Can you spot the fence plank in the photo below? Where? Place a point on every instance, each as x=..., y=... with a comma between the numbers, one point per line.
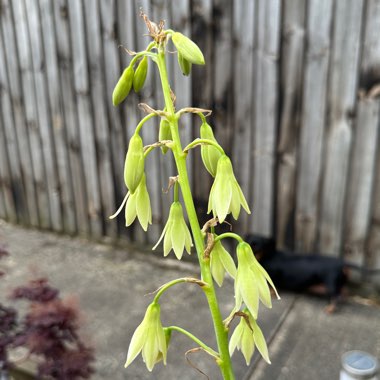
x=293, y=32
x=342, y=91
x=34, y=133
x=362, y=170
x=319, y=16
x=7, y=203
x=99, y=109
x=87, y=138
x=202, y=87
x=265, y=103
x=43, y=117
x=17, y=132
x=244, y=27
x=11, y=180
x=58, y=133
x=65, y=67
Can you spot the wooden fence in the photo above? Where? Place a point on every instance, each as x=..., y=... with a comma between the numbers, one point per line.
x=294, y=86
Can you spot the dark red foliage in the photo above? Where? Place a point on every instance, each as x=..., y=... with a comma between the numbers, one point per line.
x=37, y=290
x=50, y=330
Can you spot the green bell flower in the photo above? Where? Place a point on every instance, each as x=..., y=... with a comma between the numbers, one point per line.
x=123, y=86
x=188, y=49
x=226, y=195
x=210, y=154
x=138, y=204
x=251, y=282
x=220, y=262
x=184, y=64
x=176, y=234
x=134, y=163
x=140, y=75
x=149, y=338
x=246, y=336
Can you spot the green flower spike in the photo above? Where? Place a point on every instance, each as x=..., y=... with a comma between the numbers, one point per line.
x=210, y=154
x=220, y=262
x=134, y=163
x=149, y=338
x=138, y=204
x=251, y=281
x=176, y=233
x=246, y=336
x=226, y=195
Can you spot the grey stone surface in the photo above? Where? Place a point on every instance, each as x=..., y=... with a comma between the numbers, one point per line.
x=310, y=343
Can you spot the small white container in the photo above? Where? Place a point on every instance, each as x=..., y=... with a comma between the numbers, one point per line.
x=359, y=365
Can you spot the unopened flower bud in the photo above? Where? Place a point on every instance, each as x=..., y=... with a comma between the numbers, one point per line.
x=210, y=154
x=220, y=262
x=188, y=49
x=134, y=163
x=140, y=74
x=164, y=134
x=123, y=86
x=184, y=64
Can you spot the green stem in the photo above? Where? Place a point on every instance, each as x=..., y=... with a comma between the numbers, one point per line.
x=221, y=332
x=197, y=142
x=175, y=192
x=229, y=235
x=195, y=339
x=143, y=121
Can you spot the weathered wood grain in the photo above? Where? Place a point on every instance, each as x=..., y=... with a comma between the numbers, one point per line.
x=56, y=126
x=265, y=103
x=243, y=84
x=292, y=56
x=341, y=98
x=69, y=113
x=43, y=115
x=99, y=109
x=85, y=125
x=17, y=131
x=309, y=165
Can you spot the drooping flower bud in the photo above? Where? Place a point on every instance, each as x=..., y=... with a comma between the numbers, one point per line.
x=188, y=49
x=184, y=65
x=149, y=338
x=220, y=262
x=138, y=204
x=176, y=233
x=226, y=195
x=123, y=86
x=164, y=134
x=134, y=163
x=210, y=154
x=246, y=336
x=251, y=282
x=140, y=74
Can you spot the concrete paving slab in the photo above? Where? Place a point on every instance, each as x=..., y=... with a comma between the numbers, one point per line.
x=309, y=344
x=110, y=284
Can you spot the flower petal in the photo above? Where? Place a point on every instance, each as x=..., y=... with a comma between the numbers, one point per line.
x=260, y=341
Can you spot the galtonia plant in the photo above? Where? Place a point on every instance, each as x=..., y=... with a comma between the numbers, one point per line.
x=226, y=197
